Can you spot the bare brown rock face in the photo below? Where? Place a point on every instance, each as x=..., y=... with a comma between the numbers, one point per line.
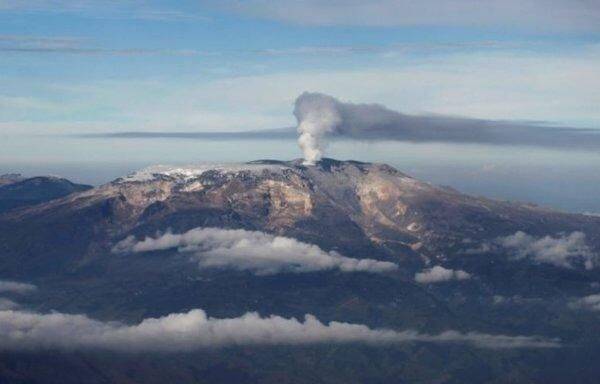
x=345, y=205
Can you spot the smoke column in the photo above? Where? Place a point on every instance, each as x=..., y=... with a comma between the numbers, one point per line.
x=317, y=115
x=321, y=116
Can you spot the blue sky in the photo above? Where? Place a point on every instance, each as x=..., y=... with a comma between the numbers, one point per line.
x=87, y=67
x=96, y=66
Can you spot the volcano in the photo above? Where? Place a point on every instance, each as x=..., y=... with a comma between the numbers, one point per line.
x=342, y=240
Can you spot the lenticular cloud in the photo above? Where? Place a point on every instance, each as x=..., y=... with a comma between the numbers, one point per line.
x=258, y=252
x=195, y=330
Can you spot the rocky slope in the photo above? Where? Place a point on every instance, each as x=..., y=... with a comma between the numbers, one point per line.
x=506, y=268
x=352, y=206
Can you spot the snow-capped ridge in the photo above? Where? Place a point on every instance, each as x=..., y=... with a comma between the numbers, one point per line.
x=188, y=172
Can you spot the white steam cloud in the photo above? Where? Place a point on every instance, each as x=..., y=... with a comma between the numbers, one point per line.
x=439, y=274
x=563, y=251
x=317, y=116
x=258, y=252
x=193, y=330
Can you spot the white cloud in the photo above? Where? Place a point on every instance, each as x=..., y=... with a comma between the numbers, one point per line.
x=15, y=287
x=195, y=330
x=258, y=252
x=590, y=303
x=439, y=274
x=561, y=251
x=532, y=15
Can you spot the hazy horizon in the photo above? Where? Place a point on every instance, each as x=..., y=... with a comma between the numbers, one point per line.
x=565, y=180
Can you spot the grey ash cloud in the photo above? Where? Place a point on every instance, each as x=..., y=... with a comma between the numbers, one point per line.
x=376, y=122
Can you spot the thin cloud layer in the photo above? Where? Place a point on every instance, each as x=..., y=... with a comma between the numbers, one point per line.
x=78, y=46
x=531, y=15
x=102, y=9
x=195, y=330
x=565, y=251
x=258, y=252
x=544, y=15
x=440, y=274
x=15, y=287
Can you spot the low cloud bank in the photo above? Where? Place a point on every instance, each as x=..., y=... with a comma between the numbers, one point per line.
x=15, y=287
x=565, y=251
x=258, y=252
x=195, y=330
x=590, y=303
x=439, y=274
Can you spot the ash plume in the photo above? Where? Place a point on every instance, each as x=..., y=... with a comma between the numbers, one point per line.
x=321, y=116
x=317, y=115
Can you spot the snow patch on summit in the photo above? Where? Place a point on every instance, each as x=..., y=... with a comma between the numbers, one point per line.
x=188, y=172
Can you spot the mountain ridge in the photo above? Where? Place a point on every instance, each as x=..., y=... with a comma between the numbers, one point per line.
x=343, y=240
x=17, y=191
x=367, y=206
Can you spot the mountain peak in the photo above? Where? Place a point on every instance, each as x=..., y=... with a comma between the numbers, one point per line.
x=10, y=178
x=185, y=173
x=18, y=192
